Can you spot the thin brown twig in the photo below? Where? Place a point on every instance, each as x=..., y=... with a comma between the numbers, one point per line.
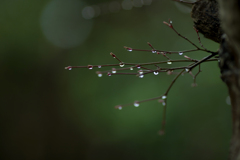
x=141, y=64
x=181, y=1
x=199, y=38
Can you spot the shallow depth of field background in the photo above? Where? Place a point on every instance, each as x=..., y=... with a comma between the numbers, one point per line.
x=48, y=112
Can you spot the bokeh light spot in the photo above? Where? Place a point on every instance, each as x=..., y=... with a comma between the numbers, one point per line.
x=63, y=25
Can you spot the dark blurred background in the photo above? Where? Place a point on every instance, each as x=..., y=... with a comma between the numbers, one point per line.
x=48, y=112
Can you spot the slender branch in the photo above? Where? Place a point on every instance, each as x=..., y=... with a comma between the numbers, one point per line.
x=199, y=38
x=181, y=1
x=202, y=60
x=174, y=80
x=134, y=64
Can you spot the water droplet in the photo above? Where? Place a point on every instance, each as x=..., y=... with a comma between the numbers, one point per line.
x=140, y=71
x=164, y=97
x=90, y=67
x=153, y=51
x=169, y=62
x=68, y=67
x=121, y=64
x=180, y=53
x=141, y=76
x=138, y=66
x=129, y=49
x=114, y=70
x=170, y=22
x=109, y=74
x=99, y=74
x=131, y=68
x=163, y=103
x=99, y=66
x=155, y=73
x=136, y=104
x=120, y=107
x=187, y=70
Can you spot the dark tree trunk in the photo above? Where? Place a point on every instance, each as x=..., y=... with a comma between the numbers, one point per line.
x=230, y=65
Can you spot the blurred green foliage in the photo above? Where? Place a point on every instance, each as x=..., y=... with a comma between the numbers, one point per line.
x=51, y=113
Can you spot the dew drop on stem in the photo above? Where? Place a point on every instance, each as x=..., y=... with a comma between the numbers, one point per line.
x=114, y=70
x=129, y=49
x=136, y=104
x=90, y=67
x=164, y=97
x=140, y=71
x=141, y=76
x=153, y=51
x=121, y=64
x=180, y=53
x=155, y=73
x=109, y=74
x=169, y=62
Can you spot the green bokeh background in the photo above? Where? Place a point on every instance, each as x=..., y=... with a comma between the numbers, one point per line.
x=51, y=113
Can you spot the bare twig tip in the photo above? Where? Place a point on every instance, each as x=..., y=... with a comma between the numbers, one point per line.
x=161, y=132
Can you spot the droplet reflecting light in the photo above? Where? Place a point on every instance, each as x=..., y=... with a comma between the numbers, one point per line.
x=136, y=104
x=164, y=97
x=90, y=67
x=121, y=64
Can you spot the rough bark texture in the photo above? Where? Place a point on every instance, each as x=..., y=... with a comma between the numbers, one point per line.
x=206, y=19
x=230, y=65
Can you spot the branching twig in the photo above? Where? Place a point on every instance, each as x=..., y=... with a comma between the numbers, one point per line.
x=142, y=70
